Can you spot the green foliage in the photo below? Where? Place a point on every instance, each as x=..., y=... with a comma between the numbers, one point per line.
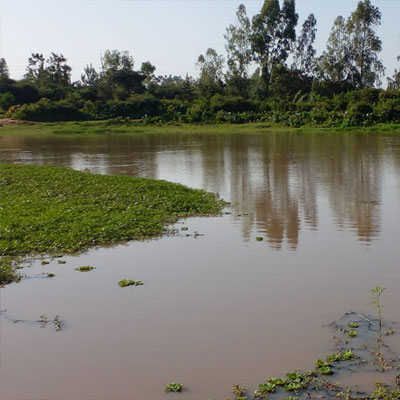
x=297, y=381
x=8, y=272
x=340, y=356
x=174, y=387
x=47, y=111
x=85, y=268
x=7, y=100
x=383, y=392
x=49, y=209
x=130, y=282
x=324, y=368
x=278, y=381
x=333, y=90
x=353, y=324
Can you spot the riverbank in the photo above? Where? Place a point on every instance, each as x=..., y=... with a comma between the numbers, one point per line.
x=57, y=210
x=136, y=127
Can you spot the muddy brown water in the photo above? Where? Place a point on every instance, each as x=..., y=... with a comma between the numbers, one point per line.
x=217, y=309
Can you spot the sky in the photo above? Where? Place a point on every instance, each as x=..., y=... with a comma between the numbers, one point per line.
x=171, y=34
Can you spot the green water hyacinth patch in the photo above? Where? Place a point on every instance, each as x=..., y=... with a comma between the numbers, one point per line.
x=85, y=268
x=340, y=356
x=264, y=390
x=48, y=209
x=174, y=387
x=353, y=325
x=129, y=282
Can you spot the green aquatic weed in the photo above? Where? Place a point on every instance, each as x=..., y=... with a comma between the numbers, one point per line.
x=174, y=387
x=376, y=301
x=85, y=268
x=129, y=282
x=353, y=325
x=340, y=356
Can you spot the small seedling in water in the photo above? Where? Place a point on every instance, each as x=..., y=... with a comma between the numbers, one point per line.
x=129, y=282
x=352, y=334
x=184, y=228
x=259, y=238
x=85, y=268
x=376, y=301
x=50, y=275
x=44, y=262
x=62, y=262
x=174, y=387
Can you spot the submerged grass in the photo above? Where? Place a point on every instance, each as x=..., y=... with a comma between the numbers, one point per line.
x=53, y=209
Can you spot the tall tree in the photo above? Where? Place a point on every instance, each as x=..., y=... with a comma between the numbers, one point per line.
x=365, y=44
x=335, y=64
x=394, y=81
x=211, y=74
x=36, y=68
x=90, y=76
x=304, y=54
x=4, y=72
x=273, y=34
x=117, y=77
x=147, y=69
x=58, y=70
x=239, y=51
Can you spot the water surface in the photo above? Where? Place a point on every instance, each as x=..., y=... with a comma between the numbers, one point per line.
x=217, y=309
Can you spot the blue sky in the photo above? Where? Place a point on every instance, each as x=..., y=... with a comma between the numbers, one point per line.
x=169, y=33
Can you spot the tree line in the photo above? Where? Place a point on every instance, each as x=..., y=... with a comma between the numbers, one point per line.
x=288, y=84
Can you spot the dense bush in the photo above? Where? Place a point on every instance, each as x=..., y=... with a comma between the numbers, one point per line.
x=46, y=110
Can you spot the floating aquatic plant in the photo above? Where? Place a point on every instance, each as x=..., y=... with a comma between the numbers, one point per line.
x=239, y=392
x=174, y=387
x=340, y=356
x=129, y=282
x=85, y=268
x=353, y=324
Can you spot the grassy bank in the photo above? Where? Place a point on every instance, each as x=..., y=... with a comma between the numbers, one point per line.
x=114, y=127
x=54, y=209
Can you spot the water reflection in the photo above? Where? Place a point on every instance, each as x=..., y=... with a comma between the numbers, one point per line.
x=281, y=183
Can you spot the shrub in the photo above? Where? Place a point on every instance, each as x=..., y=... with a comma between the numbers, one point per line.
x=46, y=111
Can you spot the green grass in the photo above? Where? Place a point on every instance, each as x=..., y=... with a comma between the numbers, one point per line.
x=8, y=272
x=53, y=209
x=105, y=127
